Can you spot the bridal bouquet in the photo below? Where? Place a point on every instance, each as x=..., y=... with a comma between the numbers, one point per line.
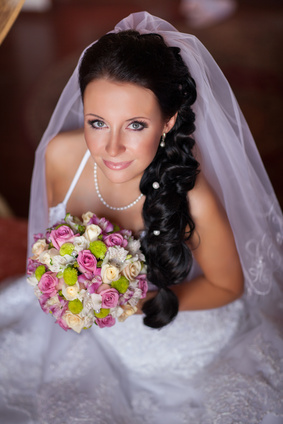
x=87, y=271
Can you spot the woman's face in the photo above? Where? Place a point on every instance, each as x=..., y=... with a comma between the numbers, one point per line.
x=123, y=124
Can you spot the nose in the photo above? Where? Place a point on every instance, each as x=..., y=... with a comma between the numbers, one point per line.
x=115, y=145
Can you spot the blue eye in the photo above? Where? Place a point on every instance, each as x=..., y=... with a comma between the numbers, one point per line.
x=138, y=126
x=97, y=124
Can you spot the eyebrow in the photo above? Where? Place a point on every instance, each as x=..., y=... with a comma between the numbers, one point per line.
x=128, y=120
x=96, y=116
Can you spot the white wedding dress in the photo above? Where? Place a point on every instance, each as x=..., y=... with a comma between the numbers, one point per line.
x=219, y=366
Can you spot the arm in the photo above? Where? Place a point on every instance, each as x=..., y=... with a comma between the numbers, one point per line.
x=214, y=249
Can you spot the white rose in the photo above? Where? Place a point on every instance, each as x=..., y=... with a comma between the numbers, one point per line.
x=132, y=270
x=71, y=292
x=87, y=217
x=80, y=243
x=47, y=256
x=39, y=247
x=109, y=273
x=74, y=321
x=92, y=232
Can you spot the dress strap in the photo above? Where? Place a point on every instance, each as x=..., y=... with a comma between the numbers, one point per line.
x=76, y=177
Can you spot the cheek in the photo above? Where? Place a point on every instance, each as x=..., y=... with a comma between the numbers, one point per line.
x=93, y=141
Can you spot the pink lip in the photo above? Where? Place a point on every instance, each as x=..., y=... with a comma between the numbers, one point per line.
x=117, y=166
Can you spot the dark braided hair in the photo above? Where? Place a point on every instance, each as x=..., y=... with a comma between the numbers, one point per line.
x=146, y=60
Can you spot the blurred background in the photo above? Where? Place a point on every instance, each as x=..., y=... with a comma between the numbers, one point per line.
x=39, y=52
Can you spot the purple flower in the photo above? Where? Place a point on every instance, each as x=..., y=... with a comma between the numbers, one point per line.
x=59, y=308
x=62, y=235
x=94, y=284
x=126, y=296
x=115, y=239
x=42, y=301
x=108, y=321
x=62, y=324
x=103, y=223
x=142, y=284
x=38, y=236
x=32, y=265
x=126, y=233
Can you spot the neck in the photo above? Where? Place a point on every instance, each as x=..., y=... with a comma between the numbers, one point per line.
x=123, y=195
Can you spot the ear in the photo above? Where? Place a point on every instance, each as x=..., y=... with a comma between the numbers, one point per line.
x=170, y=124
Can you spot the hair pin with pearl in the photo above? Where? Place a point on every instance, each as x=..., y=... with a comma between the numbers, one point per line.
x=155, y=185
x=156, y=232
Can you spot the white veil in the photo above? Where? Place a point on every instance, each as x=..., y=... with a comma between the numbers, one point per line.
x=230, y=159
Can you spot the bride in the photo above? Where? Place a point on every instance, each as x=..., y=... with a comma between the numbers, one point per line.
x=147, y=133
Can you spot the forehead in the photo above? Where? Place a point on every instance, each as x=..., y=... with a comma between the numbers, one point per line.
x=107, y=94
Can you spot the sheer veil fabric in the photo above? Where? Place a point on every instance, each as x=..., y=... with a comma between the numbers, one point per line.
x=228, y=156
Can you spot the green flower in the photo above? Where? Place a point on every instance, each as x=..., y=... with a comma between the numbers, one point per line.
x=121, y=285
x=102, y=314
x=75, y=306
x=81, y=229
x=40, y=270
x=98, y=249
x=70, y=275
x=66, y=249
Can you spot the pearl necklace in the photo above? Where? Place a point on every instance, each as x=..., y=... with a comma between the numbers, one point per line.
x=103, y=201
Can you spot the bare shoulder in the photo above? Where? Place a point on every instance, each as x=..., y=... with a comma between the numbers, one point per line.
x=61, y=146
x=63, y=154
x=203, y=200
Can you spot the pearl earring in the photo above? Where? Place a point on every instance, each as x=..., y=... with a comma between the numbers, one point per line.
x=162, y=142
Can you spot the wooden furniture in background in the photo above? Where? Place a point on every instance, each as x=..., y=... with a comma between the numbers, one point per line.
x=9, y=10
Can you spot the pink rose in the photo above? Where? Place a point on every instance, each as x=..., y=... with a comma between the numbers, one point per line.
x=62, y=235
x=110, y=298
x=48, y=284
x=115, y=239
x=142, y=284
x=87, y=263
x=108, y=321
